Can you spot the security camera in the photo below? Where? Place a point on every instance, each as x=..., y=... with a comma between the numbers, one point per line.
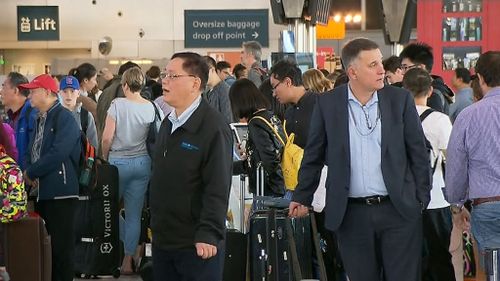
x=141, y=33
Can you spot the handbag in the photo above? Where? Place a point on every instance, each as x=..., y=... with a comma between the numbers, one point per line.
x=153, y=131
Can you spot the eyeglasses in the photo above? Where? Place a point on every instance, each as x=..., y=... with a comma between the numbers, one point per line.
x=276, y=86
x=405, y=67
x=171, y=76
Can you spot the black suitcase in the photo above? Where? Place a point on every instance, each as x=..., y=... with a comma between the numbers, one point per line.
x=281, y=248
x=235, y=259
x=97, y=250
x=273, y=255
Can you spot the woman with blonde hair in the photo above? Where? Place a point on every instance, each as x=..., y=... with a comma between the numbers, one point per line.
x=315, y=81
x=124, y=145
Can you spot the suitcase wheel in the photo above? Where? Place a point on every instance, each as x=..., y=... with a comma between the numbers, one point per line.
x=116, y=273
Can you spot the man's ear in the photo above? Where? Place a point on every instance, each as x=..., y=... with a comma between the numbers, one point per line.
x=197, y=85
x=430, y=92
x=481, y=80
x=351, y=72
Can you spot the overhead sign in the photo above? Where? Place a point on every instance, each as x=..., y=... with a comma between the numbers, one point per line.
x=37, y=23
x=225, y=28
x=334, y=30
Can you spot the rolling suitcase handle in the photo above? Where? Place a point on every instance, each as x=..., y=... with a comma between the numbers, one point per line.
x=319, y=255
x=242, y=202
x=297, y=272
x=260, y=179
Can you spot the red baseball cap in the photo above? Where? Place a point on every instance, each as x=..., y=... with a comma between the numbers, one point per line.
x=44, y=81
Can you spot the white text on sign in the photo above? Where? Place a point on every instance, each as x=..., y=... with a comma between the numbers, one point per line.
x=227, y=24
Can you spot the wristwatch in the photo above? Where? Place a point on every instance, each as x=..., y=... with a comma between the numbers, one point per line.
x=456, y=208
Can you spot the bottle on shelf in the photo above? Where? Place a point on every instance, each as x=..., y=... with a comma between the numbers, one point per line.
x=453, y=29
x=445, y=34
x=472, y=29
x=461, y=5
x=463, y=32
x=478, y=29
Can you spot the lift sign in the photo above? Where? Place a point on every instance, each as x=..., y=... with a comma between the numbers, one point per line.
x=38, y=23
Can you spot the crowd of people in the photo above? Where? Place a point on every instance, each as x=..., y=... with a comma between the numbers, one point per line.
x=377, y=138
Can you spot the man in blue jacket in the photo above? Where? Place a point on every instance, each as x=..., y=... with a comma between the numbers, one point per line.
x=21, y=116
x=52, y=168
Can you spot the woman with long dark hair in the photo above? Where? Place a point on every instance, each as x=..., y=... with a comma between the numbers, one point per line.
x=266, y=137
x=86, y=74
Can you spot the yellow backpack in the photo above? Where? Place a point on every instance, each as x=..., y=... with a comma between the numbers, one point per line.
x=291, y=158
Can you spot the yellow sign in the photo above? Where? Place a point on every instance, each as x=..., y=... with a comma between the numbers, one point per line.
x=334, y=30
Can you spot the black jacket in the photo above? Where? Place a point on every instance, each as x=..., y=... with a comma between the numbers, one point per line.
x=264, y=147
x=405, y=160
x=298, y=118
x=191, y=180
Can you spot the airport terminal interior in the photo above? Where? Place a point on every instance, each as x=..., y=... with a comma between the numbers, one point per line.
x=79, y=54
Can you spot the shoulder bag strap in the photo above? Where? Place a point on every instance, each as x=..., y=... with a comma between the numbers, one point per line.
x=270, y=126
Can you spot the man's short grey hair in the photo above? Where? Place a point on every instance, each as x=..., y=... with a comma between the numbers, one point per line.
x=351, y=50
x=254, y=48
x=17, y=79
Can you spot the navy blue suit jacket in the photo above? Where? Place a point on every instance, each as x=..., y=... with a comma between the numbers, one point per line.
x=405, y=159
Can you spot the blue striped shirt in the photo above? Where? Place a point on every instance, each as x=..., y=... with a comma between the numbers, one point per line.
x=365, y=144
x=473, y=160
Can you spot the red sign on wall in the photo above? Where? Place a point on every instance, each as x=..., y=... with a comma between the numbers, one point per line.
x=322, y=53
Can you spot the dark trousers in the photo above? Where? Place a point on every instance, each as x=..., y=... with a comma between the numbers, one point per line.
x=59, y=217
x=377, y=243
x=185, y=265
x=436, y=262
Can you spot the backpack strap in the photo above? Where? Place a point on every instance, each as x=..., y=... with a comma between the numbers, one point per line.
x=426, y=113
x=270, y=126
x=262, y=72
x=84, y=120
x=157, y=113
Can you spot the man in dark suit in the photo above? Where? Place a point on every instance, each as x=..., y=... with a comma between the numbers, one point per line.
x=378, y=182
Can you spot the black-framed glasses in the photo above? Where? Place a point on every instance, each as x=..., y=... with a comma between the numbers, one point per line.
x=171, y=76
x=276, y=86
x=405, y=67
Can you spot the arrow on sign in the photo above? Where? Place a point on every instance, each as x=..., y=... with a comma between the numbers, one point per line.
x=255, y=35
